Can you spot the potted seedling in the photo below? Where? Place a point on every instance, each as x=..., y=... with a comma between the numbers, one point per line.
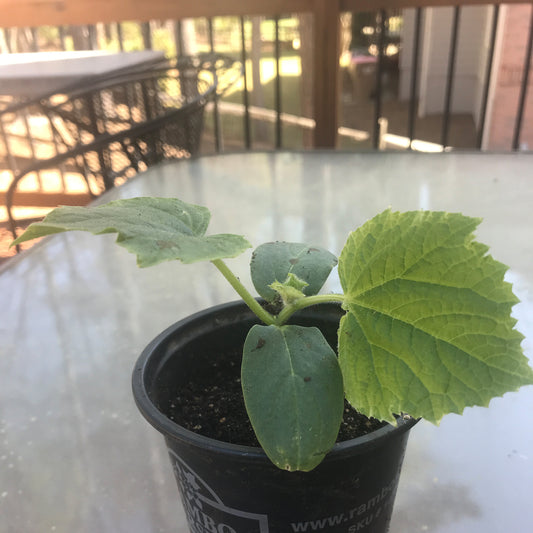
x=422, y=328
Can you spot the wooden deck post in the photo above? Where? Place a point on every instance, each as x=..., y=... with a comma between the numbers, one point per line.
x=326, y=85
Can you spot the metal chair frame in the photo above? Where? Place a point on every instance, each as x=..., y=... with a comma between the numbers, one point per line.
x=139, y=142
x=134, y=144
x=224, y=71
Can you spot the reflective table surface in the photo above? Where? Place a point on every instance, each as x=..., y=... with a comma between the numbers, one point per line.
x=75, y=454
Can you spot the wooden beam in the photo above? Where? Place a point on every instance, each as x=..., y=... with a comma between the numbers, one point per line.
x=373, y=5
x=326, y=72
x=46, y=199
x=28, y=13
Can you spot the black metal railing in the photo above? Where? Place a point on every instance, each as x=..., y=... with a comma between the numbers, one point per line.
x=523, y=87
x=87, y=37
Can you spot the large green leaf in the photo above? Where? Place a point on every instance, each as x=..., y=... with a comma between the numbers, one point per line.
x=293, y=392
x=155, y=229
x=274, y=261
x=429, y=328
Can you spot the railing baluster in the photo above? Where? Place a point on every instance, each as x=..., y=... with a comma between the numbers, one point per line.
x=216, y=112
x=245, y=96
x=450, y=76
x=93, y=39
x=277, y=94
x=7, y=39
x=413, y=97
x=34, y=40
x=382, y=15
x=488, y=75
x=62, y=37
x=523, y=88
x=178, y=38
x=147, y=35
x=120, y=36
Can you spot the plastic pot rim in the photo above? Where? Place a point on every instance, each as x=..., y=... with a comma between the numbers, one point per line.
x=171, y=429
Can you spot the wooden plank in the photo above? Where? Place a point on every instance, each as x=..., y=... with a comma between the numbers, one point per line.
x=46, y=199
x=326, y=86
x=27, y=13
x=373, y=5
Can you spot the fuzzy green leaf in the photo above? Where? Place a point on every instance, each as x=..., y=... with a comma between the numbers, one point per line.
x=429, y=328
x=274, y=261
x=293, y=392
x=155, y=229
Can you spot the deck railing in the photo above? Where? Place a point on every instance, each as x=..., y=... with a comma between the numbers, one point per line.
x=324, y=14
x=436, y=63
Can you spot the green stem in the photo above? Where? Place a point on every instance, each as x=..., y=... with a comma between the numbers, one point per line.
x=302, y=303
x=250, y=301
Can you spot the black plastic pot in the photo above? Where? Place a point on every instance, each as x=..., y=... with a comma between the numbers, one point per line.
x=227, y=488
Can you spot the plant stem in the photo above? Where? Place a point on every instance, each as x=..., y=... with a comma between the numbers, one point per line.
x=250, y=301
x=263, y=314
x=302, y=303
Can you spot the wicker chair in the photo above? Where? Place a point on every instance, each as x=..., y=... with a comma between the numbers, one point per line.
x=80, y=112
x=115, y=103
x=110, y=159
x=106, y=131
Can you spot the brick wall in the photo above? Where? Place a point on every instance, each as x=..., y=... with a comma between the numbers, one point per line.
x=508, y=78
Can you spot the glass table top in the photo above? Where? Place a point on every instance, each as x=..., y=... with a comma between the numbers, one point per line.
x=75, y=455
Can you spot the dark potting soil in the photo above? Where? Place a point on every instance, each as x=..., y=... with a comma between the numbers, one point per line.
x=213, y=406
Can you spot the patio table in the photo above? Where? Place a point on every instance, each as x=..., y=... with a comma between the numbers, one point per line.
x=33, y=74
x=75, y=455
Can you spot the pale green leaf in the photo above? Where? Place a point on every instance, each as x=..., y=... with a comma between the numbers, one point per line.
x=429, y=328
x=274, y=261
x=293, y=392
x=155, y=229
x=291, y=289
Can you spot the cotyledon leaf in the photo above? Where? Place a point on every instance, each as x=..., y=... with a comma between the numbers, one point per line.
x=293, y=393
x=274, y=261
x=155, y=229
x=429, y=329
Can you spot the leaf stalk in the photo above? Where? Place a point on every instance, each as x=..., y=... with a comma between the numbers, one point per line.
x=302, y=303
x=241, y=290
